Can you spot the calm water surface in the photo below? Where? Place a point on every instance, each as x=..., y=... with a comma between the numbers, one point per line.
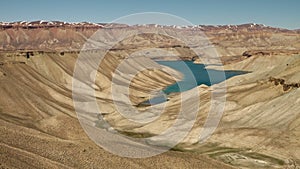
x=193, y=75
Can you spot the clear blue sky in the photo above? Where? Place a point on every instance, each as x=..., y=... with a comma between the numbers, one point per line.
x=278, y=13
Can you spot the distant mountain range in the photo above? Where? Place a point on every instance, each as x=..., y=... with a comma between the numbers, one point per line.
x=49, y=24
x=229, y=40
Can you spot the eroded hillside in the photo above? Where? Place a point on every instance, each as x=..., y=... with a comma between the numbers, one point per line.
x=39, y=126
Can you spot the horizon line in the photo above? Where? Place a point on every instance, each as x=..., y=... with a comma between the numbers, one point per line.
x=71, y=22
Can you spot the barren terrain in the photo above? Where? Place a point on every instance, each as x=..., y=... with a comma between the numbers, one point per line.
x=40, y=129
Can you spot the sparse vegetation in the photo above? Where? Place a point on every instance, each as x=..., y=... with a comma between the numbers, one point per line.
x=264, y=157
x=136, y=135
x=231, y=155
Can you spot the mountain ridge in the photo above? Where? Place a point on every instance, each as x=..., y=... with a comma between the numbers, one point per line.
x=229, y=40
x=46, y=23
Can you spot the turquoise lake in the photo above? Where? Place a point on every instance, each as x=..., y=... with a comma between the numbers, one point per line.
x=193, y=75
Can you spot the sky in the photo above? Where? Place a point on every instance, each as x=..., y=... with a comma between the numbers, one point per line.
x=276, y=13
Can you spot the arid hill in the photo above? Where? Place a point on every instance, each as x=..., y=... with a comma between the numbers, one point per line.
x=230, y=40
x=40, y=129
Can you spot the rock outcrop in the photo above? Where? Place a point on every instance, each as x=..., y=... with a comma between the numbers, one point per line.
x=282, y=82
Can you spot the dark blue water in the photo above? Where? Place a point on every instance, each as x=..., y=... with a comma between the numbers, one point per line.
x=193, y=75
